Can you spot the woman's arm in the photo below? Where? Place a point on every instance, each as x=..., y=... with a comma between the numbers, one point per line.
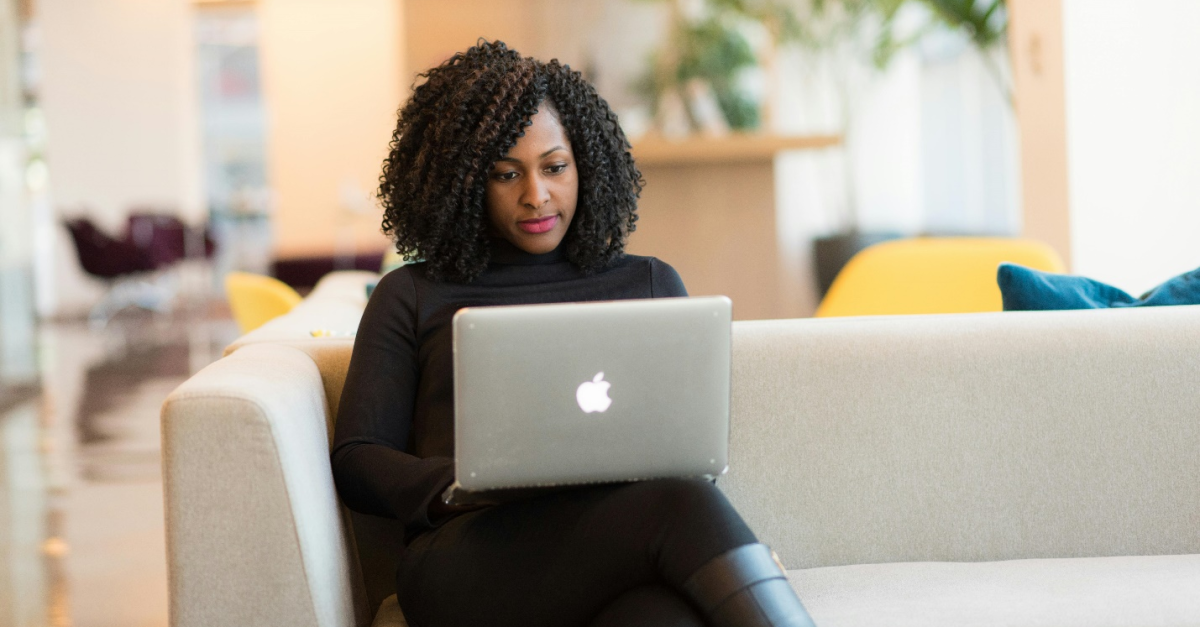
x=372, y=471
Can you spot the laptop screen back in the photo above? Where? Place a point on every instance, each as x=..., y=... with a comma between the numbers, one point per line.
x=591, y=392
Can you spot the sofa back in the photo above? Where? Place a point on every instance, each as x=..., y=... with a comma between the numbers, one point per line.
x=962, y=437
x=969, y=437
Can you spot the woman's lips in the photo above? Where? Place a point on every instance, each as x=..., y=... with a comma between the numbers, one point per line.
x=539, y=225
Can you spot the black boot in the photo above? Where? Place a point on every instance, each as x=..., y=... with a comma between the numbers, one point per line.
x=746, y=587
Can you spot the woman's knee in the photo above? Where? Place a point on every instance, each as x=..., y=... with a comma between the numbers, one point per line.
x=687, y=499
x=649, y=606
x=690, y=522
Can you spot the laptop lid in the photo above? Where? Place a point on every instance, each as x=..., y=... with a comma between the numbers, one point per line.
x=577, y=393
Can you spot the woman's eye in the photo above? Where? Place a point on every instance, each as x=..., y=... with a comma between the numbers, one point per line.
x=557, y=168
x=505, y=176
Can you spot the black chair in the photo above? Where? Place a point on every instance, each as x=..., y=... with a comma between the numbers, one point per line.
x=128, y=269
x=105, y=257
x=166, y=238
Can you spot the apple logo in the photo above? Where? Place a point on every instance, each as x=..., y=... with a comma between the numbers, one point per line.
x=592, y=396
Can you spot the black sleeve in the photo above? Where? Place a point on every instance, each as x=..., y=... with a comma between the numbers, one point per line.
x=665, y=281
x=372, y=472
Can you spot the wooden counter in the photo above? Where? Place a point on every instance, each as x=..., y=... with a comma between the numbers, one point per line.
x=709, y=209
x=734, y=148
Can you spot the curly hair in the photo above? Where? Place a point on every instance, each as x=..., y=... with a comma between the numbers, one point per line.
x=468, y=113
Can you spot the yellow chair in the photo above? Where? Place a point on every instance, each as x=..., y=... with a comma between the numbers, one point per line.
x=930, y=275
x=255, y=298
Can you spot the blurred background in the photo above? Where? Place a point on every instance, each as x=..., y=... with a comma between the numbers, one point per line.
x=150, y=148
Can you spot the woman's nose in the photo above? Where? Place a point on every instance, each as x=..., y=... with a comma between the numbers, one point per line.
x=536, y=193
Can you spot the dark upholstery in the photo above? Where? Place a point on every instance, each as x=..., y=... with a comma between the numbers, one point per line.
x=164, y=237
x=106, y=257
x=151, y=242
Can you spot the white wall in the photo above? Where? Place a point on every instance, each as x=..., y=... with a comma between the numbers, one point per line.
x=968, y=140
x=118, y=94
x=884, y=140
x=1132, y=75
x=332, y=74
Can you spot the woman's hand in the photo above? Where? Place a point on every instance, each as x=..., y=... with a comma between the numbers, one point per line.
x=439, y=510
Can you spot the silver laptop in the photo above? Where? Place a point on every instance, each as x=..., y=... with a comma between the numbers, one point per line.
x=568, y=394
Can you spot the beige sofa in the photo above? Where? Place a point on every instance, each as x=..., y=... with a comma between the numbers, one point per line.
x=975, y=469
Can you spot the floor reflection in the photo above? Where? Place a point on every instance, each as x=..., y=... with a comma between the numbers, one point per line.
x=81, y=517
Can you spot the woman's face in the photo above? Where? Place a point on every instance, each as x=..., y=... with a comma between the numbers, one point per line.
x=531, y=191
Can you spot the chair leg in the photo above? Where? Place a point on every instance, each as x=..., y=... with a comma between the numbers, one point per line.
x=155, y=293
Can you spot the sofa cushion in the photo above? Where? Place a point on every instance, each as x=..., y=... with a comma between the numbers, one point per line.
x=1088, y=592
x=389, y=614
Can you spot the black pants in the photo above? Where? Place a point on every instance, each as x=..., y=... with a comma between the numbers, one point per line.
x=612, y=555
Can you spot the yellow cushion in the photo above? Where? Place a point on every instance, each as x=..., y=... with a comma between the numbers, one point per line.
x=256, y=299
x=931, y=275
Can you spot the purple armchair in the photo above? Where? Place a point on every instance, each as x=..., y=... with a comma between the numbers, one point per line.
x=131, y=266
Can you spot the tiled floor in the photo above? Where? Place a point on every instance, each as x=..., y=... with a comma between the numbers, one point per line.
x=81, y=518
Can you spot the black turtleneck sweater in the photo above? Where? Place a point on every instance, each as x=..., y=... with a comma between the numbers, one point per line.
x=393, y=449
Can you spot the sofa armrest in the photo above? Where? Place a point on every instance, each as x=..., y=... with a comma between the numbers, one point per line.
x=255, y=534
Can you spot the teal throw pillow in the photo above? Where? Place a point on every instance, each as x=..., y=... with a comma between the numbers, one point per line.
x=1026, y=289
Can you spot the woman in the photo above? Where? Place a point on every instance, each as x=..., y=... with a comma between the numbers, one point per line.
x=512, y=181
